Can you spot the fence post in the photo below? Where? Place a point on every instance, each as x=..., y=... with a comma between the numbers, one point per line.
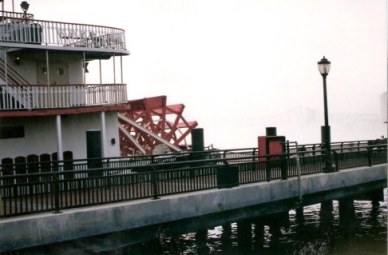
x=284, y=167
x=335, y=158
x=268, y=168
x=299, y=173
x=1, y=204
x=56, y=192
x=288, y=149
x=154, y=180
x=369, y=149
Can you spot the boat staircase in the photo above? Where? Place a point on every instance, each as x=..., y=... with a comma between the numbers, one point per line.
x=13, y=94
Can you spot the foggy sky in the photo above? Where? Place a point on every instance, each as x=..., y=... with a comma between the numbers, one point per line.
x=242, y=65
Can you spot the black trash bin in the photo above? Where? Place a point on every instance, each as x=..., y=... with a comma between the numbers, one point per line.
x=227, y=177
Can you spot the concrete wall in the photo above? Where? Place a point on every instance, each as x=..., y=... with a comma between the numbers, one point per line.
x=77, y=223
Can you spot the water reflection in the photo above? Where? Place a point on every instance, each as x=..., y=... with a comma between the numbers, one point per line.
x=339, y=227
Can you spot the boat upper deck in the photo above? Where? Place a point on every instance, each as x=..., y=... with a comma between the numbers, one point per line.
x=22, y=31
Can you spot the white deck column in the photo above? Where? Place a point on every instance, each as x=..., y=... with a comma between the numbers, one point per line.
x=84, y=68
x=48, y=68
x=103, y=134
x=59, y=138
x=5, y=98
x=114, y=69
x=100, y=69
x=121, y=70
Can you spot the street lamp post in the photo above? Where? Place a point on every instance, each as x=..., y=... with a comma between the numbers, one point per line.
x=324, y=68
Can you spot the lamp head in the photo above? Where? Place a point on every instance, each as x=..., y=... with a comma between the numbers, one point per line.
x=24, y=5
x=324, y=66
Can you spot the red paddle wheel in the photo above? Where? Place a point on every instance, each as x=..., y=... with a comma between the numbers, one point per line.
x=150, y=126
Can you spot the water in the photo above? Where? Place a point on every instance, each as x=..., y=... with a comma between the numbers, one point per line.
x=361, y=230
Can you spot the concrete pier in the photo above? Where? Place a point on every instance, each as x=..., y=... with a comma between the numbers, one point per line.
x=264, y=198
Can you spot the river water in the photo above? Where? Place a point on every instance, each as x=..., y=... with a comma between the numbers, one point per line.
x=363, y=232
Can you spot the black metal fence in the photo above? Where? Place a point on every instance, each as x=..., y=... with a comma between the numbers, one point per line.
x=54, y=186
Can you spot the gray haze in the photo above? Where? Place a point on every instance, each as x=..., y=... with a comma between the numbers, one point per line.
x=242, y=65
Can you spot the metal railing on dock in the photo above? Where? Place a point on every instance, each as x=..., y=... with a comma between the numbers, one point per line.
x=58, y=185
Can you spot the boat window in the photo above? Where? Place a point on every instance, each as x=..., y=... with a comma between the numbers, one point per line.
x=11, y=132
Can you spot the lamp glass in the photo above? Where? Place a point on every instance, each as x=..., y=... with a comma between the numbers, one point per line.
x=324, y=66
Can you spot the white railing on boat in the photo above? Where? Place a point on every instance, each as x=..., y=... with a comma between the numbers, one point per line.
x=18, y=15
x=17, y=29
x=18, y=97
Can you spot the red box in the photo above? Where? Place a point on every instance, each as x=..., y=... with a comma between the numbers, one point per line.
x=271, y=145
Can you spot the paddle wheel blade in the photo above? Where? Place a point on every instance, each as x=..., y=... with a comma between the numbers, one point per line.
x=151, y=126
